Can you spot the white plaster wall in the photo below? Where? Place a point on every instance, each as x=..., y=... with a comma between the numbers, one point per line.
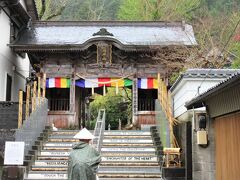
x=10, y=63
x=187, y=89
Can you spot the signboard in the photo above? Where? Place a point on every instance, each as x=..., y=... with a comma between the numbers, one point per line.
x=14, y=153
x=59, y=144
x=129, y=133
x=130, y=158
x=55, y=153
x=127, y=141
x=48, y=176
x=51, y=163
x=128, y=149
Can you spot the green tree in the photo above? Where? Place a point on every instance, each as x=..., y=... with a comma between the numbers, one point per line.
x=117, y=107
x=157, y=9
x=77, y=9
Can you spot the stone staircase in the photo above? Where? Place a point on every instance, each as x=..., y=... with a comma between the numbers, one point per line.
x=51, y=160
x=125, y=155
x=128, y=155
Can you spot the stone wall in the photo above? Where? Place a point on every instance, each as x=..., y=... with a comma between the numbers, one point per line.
x=8, y=124
x=203, y=158
x=183, y=135
x=5, y=135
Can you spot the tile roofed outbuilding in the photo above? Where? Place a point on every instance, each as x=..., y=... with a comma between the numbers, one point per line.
x=198, y=101
x=125, y=35
x=205, y=73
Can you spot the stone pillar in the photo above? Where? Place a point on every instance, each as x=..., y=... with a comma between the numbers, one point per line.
x=134, y=100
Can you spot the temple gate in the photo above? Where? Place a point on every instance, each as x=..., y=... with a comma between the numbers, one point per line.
x=84, y=57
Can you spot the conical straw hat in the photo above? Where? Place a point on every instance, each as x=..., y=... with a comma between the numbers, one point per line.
x=84, y=134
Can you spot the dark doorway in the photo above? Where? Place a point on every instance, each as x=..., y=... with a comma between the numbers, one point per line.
x=146, y=99
x=58, y=99
x=9, y=88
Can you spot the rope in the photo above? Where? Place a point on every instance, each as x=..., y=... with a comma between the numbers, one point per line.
x=107, y=82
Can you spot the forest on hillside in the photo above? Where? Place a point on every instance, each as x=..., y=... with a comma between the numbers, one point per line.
x=216, y=22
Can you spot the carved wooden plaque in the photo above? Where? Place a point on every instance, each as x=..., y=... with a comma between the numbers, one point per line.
x=104, y=54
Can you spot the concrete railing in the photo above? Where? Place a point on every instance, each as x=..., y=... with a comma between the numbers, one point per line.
x=33, y=126
x=162, y=123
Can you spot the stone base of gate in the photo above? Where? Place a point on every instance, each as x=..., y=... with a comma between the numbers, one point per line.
x=173, y=173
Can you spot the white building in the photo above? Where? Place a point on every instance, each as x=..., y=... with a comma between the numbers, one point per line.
x=199, y=160
x=14, y=68
x=193, y=83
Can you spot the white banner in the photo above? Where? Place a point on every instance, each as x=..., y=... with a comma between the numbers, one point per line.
x=14, y=153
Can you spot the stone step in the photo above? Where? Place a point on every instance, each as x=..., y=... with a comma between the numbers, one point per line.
x=61, y=163
x=127, y=145
x=127, y=133
x=127, y=149
x=131, y=178
x=129, y=140
x=59, y=144
x=67, y=132
x=129, y=169
x=127, y=136
x=116, y=154
x=60, y=131
x=46, y=175
x=56, y=139
x=128, y=176
x=129, y=163
x=49, y=168
x=145, y=154
x=129, y=172
x=54, y=153
x=52, y=157
x=67, y=148
x=129, y=158
x=67, y=136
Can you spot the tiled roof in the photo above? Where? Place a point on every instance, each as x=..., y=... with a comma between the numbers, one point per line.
x=197, y=102
x=125, y=34
x=205, y=73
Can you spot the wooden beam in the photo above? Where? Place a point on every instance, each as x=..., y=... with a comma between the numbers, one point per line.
x=44, y=85
x=39, y=90
x=20, y=97
x=159, y=86
x=27, y=101
x=34, y=96
x=72, y=91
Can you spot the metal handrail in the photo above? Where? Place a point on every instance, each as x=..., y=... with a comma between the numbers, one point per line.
x=99, y=129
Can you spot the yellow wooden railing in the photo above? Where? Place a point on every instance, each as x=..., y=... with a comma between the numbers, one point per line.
x=165, y=98
x=32, y=93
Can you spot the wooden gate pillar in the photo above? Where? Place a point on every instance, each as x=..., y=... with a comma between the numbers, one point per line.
x=134, y=100
x=72, y=95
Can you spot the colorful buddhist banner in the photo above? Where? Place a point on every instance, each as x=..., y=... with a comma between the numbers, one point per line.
x=121, y=83
x=147, y=83
x=99, y=82
x=58, y=83
x=143, y=83
x=88, y=83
